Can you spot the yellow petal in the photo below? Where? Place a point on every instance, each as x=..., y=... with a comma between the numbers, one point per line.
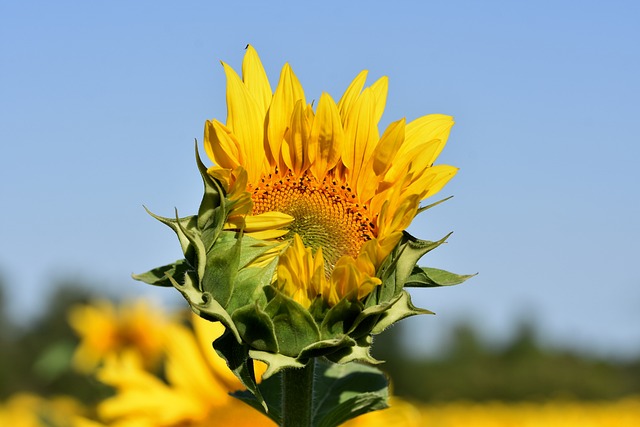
x=425, y=129
x=361, y=133
x=246, y=123
x=431, y=181
x=221, y=174
x=269, y=255
x=142, y=398
x=378, y=249
x=351, y=94
x=186, y=367
x=386, y=150
x=327, y=136
x=295, y=146
x=380, y=89
x=348, y=279
x=221, y=145
x=380, y=161
x=265, y=221
x=206, y=332
x=424, y=140
x=288, y=92
x=300, y=273
x=255, y=79
x=268, y=234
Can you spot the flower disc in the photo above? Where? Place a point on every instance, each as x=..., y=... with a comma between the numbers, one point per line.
x=325, y=214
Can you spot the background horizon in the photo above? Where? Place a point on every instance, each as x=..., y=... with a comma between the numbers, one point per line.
x=100, y=104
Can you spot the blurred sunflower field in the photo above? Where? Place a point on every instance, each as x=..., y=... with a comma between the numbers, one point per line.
x=90, y=362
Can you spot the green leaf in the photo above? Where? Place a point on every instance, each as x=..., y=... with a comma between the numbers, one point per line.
x=270, y=389
x=344, y=391
x=433, y=277
x=237, y=357
x=340, y=393
x=294, y=326
x=160, y=276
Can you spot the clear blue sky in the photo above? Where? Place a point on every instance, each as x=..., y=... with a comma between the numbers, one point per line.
x=100, y=103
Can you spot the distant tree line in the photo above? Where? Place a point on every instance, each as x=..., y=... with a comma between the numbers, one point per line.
x=520, y=370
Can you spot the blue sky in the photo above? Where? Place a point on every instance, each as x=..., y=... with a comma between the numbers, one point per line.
x=100, y=103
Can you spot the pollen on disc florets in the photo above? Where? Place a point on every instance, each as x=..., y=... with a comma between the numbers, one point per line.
x=326, y=213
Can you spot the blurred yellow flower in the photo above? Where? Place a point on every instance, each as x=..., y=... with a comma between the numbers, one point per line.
x=555, y=413
x=195, y=393
x=324, y=180
x=104, y=329
x=29, y=410
x=399, y=413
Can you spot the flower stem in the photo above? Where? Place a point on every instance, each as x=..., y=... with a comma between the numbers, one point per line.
x=297, y=396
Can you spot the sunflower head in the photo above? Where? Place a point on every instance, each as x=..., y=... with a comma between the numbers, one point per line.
x=105, y=329
x=299, y=247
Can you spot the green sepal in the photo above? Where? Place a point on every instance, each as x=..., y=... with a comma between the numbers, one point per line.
x=237, y=357
x=187, y=223
x=400, y=309
x=369, y=317
x=160, y=276
x=250, y=248
x=424, y=208
x=339, y=318
x=294, y=326
x=326, y=347
x=357, y=353
x=411, y=252
x=398, y=266
x=196, y=244
x=427, y=277
x=210, y=309
x=250, y=286
x=275, y=362
x=212, y=213
x=256, y=328
x=222, y=264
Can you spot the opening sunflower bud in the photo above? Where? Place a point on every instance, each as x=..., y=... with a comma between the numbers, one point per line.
x=299, y=247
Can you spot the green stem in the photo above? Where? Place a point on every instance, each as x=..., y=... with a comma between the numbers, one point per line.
x=297, y=396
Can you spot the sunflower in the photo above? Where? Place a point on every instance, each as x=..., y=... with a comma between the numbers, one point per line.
x=30, y=410
x=324, y=183
x=299, y=246
x=194, y=392
x=105, y=329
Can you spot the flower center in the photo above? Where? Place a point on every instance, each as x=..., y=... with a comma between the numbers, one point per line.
x=325, y=213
